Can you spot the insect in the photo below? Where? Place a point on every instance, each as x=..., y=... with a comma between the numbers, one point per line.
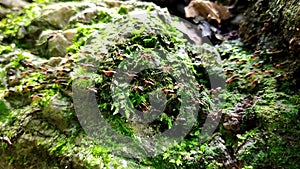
x=147, y=82
x=92, y=89
x=167, y=91
x=83, y=77
x=130, y=75
x=166, y=68
x=268, y=72
x=13, y=80
x=68, y=61
x=228, y=71
x=36, y=96
x=27, y=64
x=86, y=52
x=26, y=72
x=215, y=91
x=250, y=74
x=109, y=72
x=253, y=83
x=35, y=111
x=293, y=43
x=64, y=71
x=201, y=87
x=144, y=107
x=259, y=64
x=280, y=64
x=43, y=68
x=122, y=56
x=265, y=27
x=49, y=71
x=11, y=72
x=138, y=88
x=232, y=78
x=88, y=66
x=9, y=92
x=282, y=76
x=7, y=140
x=60, y=81
x=27, y=88
x=180, y=119
x=43, y=84
x=241, y=61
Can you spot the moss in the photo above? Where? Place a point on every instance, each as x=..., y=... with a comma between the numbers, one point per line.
x=122, y=10
x=4, y=111
x=51, y=136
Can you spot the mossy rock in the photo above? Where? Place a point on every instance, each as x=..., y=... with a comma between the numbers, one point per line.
x=36, y=86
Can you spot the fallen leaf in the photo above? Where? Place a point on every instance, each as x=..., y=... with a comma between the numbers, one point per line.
x=208, y=10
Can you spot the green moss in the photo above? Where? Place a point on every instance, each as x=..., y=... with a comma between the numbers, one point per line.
x=122, y=10
x=14, y=21
x=4, y=111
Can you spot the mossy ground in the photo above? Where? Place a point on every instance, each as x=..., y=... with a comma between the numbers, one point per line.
x=38, y=119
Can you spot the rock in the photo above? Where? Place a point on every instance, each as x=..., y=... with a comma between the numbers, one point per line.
x=14, y=3
x=223, y=156
x=58, y=15
x=238, y=120
x=54, y=43
x=54, y=113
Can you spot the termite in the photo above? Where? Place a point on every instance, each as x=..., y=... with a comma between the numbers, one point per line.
x=144, y=107
x=180, y=119
x=241, y=61
x=294, y=42
x=259, y=64
x=201, y=87
x=280, y=64
x=138, y=88
x=26, y=72
x=49, y=71
x=130, y=75
x=250, y=74
x=27, y=88
x=11, y=72
x=147, y=82
x=109, y=72
x=253, y=83
x=64, y=71
x=27, y=64
x=228, y=71
x=167, y=91
x=92, y=89
x=232, y=78
x=83, y=77
x=268, y=72
x=43, y=68
x=36, y=96
x=88, y=66
x=60, y=81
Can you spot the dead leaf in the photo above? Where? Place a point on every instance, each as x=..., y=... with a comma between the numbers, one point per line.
x=208, y=10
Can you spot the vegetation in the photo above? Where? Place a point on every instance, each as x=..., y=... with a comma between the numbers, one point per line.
x=40, y=124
